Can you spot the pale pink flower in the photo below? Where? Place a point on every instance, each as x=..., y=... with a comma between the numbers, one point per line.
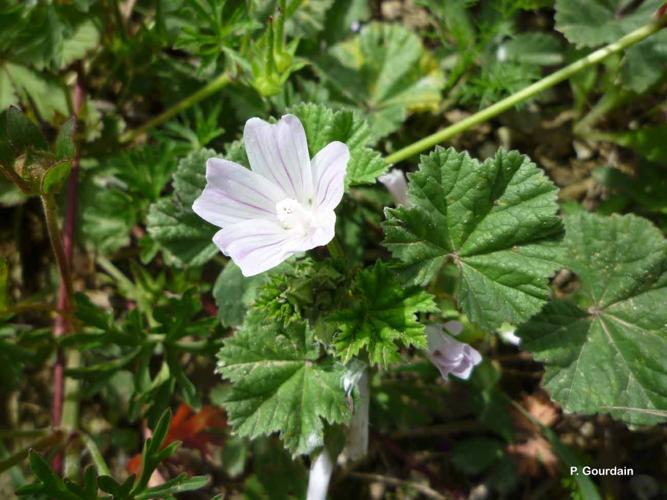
x=448, y=354
x=397, y=185
x=284, y=204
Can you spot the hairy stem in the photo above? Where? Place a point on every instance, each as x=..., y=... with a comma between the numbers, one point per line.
x=50, y=214
x=270, y=50
x=12, y=176
x=320, y=475
x=280, y=26
x=545, y=83
x=210, y=88
x=65, y=407
x=356, y=445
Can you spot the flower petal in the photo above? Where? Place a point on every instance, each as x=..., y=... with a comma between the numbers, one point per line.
x=319, y=235
x=397, y=186
x=453, y=327
x=329, y=167
x=449, y=355
x=280, y=153
x=233, y=194
x=254, y=245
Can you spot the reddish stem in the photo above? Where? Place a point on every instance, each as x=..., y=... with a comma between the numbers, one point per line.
x=62, y=323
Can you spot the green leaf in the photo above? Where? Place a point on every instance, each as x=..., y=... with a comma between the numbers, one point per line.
x=153, y=453
x=606, y=352
x=49, y=36
x=84, y=38
x=594, y=22
x=496, y=221
x=280, y=384
x=341, y=16
x=8, y=95
x=385, y=71
x=91, y=314
x=234, y=293
x=324, y=125
x=110, y=485
x=179, y=484
x=119, y=192
x=365, y=166
x=649, y=142
x=271, y=464
x=182, y=234
x=381, y=316
x=146, y=169
x=305, y=289
x=23, y=133
x=48, y=95
x=303, y=19
x=64, y=147
x=107, y=216
x=644, y=63
x=644, y=192
x=49, y=483
x=497, y=80
x=13, y=359
x=212, y=30
x=536, y=48
x=105, y=368
x=55, y=177
x=476, y=454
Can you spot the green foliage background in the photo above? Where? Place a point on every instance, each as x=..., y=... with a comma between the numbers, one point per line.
x=547, y=221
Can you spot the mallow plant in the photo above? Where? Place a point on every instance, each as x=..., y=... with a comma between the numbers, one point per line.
x=321, y=323
x=341, y=257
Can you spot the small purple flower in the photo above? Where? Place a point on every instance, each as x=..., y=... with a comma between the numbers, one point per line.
x=284, y=204
x=448, y=354
x=397, y=185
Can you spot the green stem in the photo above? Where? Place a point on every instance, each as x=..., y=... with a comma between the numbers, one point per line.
x=280, y=26
x=70, y=417
x=96, y=455
x=50, y=211
x=16, y=179
x=116, y=274
x=270, y=49
x=210, y=88
x=45, y=443
x=23, y=433
x=25, y=306
x=127, y=287
x=184, y=345
x=545, y=83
